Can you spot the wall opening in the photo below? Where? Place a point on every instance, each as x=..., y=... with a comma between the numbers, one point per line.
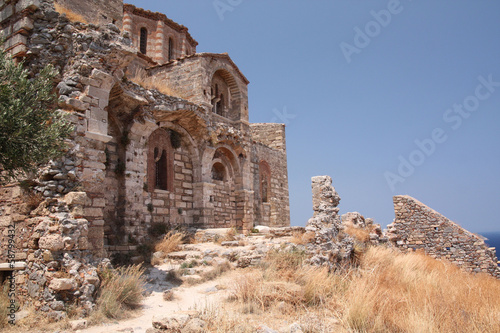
x=218, y=172
x=161, y=169
x=143, y=43
x=170, y=49
x=160, y=161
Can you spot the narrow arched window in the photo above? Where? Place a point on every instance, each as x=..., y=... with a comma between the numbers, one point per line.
x=143, y=42
x=170, y=49
x=264, y=188
x=161, y=166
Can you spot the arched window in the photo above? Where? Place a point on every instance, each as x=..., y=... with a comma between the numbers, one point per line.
x=161, y=167
x=143, y=42
x=170, y=49
x=220, y=105
x=160, y=161
x=218, y=172
x=264, y=188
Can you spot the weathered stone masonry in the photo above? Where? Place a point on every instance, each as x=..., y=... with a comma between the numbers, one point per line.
x=417, y=226
x=137, y=156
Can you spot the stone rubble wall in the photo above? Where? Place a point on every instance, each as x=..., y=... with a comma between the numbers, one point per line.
x=417, y=226
x=53, y=242
x=96, y=11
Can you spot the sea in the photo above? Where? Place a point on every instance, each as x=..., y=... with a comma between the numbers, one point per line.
x=493, y=240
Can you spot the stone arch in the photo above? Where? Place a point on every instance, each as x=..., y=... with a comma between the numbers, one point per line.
x=225, y=94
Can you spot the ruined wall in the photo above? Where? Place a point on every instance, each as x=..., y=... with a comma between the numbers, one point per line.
x=161, y=34
x=417, y=226
x=96, y=11
x=16, y=24
x=271, y=135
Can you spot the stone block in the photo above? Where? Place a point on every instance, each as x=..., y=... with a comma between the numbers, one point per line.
x=6, y=12
x=63, y=284
x=23, y=24
x=51, y=242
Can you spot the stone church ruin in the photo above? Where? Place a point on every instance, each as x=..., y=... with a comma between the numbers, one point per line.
x=162, y=140
x=139, y=159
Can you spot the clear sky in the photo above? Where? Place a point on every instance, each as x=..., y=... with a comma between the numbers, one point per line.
x=386, y=97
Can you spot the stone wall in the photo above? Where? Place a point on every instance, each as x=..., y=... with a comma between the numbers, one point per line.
x=96, y=11
x=276, y=211
x=272, y=135
x=16, y=24
x=417, y=226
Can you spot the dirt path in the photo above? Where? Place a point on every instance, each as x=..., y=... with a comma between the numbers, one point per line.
x=186, y=298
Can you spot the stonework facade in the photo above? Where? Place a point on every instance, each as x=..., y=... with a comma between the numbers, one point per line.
x=417, y=226
x=144, y=158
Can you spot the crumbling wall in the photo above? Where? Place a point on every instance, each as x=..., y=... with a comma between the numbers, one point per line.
x=417, y=226
x=96, y=11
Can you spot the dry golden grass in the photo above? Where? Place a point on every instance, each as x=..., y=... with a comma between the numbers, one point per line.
x=121, y=290
x=141, y=78
x=415, y=293
x=303, y=238
x=388, y=292
x=170, y=242
x=71, y=15
x=360, y=234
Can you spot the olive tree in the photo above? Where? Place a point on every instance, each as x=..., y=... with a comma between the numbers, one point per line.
x=32, y=131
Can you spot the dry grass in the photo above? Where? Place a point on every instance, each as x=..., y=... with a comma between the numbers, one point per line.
x=121, y=290
x=415, y=293
x=210, y=274
x=141, y=78
x=388, y=292
x=303, y=238
x=71, y=15
x=170, y=243
x=360, y=234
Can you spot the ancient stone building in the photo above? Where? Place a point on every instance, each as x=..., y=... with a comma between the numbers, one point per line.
x=418, y=227
x=185, y=156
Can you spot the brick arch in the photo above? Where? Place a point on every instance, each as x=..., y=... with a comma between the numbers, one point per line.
x=234, y=96
x=264, y=181
x=160, y=161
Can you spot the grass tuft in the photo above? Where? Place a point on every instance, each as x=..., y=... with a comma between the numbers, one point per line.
x=121, y=290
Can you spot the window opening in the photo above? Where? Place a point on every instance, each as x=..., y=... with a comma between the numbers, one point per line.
x=143, y=44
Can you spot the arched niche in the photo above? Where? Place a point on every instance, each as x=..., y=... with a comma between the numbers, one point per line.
x=225, y=95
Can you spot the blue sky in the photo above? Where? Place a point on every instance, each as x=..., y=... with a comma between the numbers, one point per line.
x=358, y=83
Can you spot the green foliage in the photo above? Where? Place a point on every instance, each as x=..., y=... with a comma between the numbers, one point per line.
x=32, y=132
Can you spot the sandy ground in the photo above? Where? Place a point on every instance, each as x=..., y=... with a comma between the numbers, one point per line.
x=186, y=298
